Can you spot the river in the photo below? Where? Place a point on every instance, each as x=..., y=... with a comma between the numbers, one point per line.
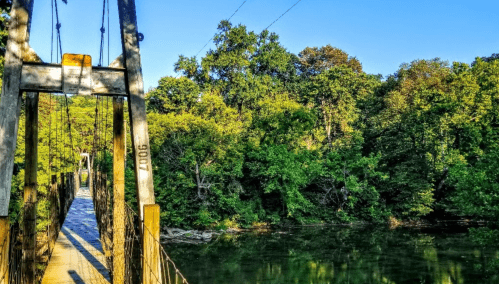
x=340, y=254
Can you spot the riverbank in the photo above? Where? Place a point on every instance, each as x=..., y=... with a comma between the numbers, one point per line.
x=177, y=235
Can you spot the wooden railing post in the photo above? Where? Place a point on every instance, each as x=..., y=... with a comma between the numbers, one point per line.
x=77, y=181
x=91, y=181
x=4, y=249
x=150, y=247
x=118, y=192
x=30, y=188
x=72, y=186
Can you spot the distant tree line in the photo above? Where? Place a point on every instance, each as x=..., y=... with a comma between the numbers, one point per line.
x=253, y=133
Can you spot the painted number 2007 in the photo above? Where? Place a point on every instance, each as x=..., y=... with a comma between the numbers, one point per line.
x=143, y=157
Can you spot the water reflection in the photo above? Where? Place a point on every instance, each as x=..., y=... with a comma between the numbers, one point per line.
x=340, y=255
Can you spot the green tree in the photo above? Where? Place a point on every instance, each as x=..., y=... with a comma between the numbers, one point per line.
x=173, y=95
x=336, y=93
x=314, y=60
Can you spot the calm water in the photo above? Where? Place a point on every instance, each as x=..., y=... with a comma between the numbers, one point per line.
x=340, y=255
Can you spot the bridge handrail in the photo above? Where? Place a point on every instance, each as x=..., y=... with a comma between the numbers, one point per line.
x=134, y=252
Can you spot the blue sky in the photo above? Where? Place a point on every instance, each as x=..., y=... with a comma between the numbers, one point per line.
x=382, y=34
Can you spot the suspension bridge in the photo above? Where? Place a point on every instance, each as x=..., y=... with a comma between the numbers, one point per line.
x=93, y=235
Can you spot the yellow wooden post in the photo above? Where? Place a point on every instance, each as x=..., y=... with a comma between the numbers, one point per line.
x=150, y=247
x=4, y=249
x=119, y=193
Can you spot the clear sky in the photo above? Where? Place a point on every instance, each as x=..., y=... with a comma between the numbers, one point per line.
x=382, y=34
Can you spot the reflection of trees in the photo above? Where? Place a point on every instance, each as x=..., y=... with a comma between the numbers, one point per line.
x=335, y=255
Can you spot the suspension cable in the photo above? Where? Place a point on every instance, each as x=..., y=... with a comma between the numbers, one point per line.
x=58, y=27
x=102, y=32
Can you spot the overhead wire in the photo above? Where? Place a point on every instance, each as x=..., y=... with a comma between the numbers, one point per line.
x=214, y=36
x=282, y=15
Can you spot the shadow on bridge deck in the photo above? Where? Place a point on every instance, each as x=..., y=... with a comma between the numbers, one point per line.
x=78, y=256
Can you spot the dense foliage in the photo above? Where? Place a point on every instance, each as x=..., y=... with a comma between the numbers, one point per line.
x=252, y=134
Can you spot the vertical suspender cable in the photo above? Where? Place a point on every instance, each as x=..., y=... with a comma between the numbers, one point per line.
x=105, y=133
x=95, y=132
x=56, y=133
x=50, y=137
x=63, y=140
x=103, y=129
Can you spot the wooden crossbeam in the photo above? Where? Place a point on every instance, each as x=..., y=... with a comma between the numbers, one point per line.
x=42, y=77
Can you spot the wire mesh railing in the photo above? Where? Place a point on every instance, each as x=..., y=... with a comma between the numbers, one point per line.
x=136, y=268
x=15, y=255
x=168, y=273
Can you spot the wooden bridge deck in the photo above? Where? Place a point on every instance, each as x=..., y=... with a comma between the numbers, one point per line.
x=78, y=256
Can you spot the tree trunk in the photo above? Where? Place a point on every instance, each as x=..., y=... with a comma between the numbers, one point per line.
x=198, y=182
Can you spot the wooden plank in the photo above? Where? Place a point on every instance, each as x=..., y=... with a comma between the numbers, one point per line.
x=136, y=103
x=10, y=103
x=77, y=257
x=30, y=187
x=42, y=78
x=119, y=192
x=151, y=265
x=4, y=249
x=48, y=78
x=107, y=81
